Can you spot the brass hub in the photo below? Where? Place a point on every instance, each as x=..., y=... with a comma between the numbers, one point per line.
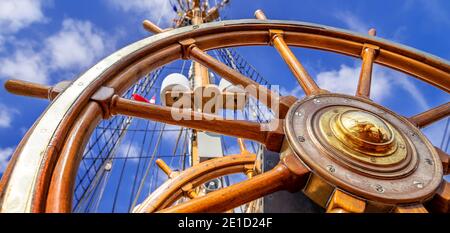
x=361, y=135
x=363, y=148
x=364, y=132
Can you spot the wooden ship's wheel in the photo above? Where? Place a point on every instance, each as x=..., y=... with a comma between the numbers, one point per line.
x=345, y=153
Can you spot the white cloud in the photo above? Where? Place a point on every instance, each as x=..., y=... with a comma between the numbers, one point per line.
x=345, y=81
x=413, y=91
x=128, y=149
x=352, y=22
x=170, y=136
x=5, y=154
x=77, y=44
x=158, y=11
x=18, y=14
x=25, y=64
x=6, y=116
x=297, y=91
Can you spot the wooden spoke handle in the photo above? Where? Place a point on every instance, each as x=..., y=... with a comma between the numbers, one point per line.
x=189, y=118
x=299, y=71
x=426, y=118
x=289, y=174
x=25, y=88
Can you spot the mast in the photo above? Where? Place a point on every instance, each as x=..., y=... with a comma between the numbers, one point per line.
x=204, y=145
x=196, y=12
x=200, y=80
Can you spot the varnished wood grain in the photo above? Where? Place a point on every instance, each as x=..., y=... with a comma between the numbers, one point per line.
x=285, y=176
x=232, y=75
x=426, y=118
x=441, y=201
x=60, y=191
x=164, y=167
x=365, y=77
x=259, y=14
x=242, y=146
x=151, y=27
x=130, y=67
x=410, y=209
x=188, y=179
x=299, y=71
x=192, y=119
x=304, y=79
x=342, y=202
x=25, y=88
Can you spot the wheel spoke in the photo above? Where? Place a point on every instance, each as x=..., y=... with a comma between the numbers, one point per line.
x=24, y=88
x=191, y=178
x=192, y=119
x=282, y=177
x=344, y=203
x=233, y=76
x=441, y=200
x=299, y=71
x=165, y=168
x=242, y=146
x=445, y=158
x=365, y=78
x=153, y=28
x=188, y=192
x=428, y=117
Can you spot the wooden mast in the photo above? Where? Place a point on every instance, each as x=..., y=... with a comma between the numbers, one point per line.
x=200, y=79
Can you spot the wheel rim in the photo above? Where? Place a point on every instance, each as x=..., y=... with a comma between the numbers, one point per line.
x=28, y=181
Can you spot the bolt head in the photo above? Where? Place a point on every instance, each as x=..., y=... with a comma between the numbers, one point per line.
x=331, y=168
x=301, y=138
x=379, y=188
x=418, y=184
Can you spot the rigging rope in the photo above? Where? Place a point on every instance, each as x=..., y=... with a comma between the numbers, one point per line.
x=445, y=137
x=122, y=128
x=122, y=170
x=148, y=168
x=138, y=166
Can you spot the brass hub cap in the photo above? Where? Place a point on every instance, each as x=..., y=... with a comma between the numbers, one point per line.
x=361, y=135
x=363, y=148
x=364, y=132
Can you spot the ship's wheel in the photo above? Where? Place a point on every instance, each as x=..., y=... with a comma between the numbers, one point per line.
x=346, y=153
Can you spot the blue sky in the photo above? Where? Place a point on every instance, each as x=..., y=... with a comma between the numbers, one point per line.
x=47, y=41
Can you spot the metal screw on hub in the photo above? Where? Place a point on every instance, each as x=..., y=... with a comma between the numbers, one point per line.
x=379, y=188
x=331, y=168
x=418, y=184
x=301, y=138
